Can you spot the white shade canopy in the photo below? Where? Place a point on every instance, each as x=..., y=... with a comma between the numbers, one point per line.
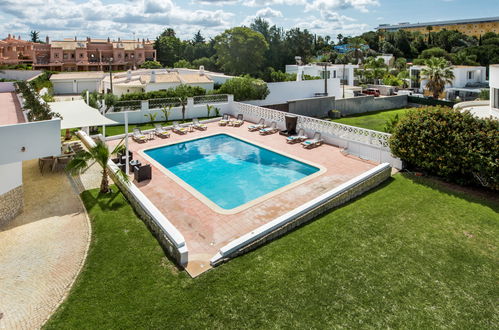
x=78, y=114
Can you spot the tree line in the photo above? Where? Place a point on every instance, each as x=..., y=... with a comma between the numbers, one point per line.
x=262, y=50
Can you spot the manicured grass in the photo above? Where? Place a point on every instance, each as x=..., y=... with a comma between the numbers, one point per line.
x=372, y=120
x=411, y=254
x=120, y=129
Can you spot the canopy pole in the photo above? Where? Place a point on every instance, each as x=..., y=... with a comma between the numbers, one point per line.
x=103, y=109
x=127, y=163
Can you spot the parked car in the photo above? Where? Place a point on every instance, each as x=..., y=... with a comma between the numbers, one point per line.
x=372, y=91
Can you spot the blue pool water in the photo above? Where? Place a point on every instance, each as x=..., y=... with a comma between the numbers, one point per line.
x=228, y=171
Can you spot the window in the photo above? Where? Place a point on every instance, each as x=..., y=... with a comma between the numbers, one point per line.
x=81, y=55
x=470, y=75
x=495, y=94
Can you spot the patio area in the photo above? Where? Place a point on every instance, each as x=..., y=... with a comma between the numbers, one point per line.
x=206, y=230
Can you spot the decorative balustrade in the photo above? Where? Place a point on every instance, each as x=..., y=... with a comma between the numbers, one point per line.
x=127, y=105
x=164, y=102
x=346, y=132
x=215, y=98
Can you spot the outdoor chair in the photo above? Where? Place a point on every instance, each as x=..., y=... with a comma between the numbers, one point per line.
x=225, y=120
x=239, y=121
x=313, y=142
x=142, y=173
x=300, y=137
x=178, y=129
x=45, y=161
x=160, y=131
x=196, y=124
x=138, y=136
x=258, y=126
x=269, y=130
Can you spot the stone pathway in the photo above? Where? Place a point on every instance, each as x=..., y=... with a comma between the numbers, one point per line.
x=42, y=250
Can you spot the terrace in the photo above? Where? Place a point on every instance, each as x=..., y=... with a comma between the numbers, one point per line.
x=205, y=229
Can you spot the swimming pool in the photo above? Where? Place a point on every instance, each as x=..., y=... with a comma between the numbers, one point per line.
x=228, y=171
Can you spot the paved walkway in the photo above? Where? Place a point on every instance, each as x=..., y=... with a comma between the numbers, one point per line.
x=42, y=250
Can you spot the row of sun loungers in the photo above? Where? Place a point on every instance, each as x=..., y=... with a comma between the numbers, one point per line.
x=315, y=141
x=227, y=121
x=161, y=132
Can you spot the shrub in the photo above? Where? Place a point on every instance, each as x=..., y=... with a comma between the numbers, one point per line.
x=151, y=65
x=37, y=110
x=182, y=91
x=452, y=144
x=245, y=88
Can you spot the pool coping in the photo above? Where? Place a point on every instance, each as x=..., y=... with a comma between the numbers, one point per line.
x=213, y=206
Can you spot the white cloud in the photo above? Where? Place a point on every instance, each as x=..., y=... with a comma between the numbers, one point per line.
x=360, y=5
x=268, y=13
x=331, y=23
x=95, y=18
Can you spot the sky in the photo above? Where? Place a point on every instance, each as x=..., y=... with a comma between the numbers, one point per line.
x=147, y=18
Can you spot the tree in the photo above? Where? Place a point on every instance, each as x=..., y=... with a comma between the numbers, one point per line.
x=101, y=155
x=240, y=50
x=151, y=65
x=168, y=48
x=434, y=52
x=166, y=111
x=463, y=58
x=182, y=64
x=35, y=36
x=245, y=88
x=357, y=44
x=198, y=38
x=438, y=73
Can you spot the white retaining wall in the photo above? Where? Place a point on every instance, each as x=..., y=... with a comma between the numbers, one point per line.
x=191, y=111
x=281, y=92
x=360, y=142
x=169, y=236
x=20, y=74
x=305, y=212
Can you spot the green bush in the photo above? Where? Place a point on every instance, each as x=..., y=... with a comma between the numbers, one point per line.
x=37, y=110
x=245, y=88
x=181, y=91
x=452, y=144
x=429, y=101
x=151, y=65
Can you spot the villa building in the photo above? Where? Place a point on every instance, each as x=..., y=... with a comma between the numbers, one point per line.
x=344, y=72
x=473, y=27
x=21, y=140
x=77, y=55
x=467, y=83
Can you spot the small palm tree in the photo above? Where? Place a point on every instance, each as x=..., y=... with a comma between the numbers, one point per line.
x=100, y=154
x=152, y=117
x=438, y=73
x=183, y=103
x=166, y=111
x=209, y=108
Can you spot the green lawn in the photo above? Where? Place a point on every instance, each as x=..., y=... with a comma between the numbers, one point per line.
x=120, y=129
x=410, y=254
x=372, y=120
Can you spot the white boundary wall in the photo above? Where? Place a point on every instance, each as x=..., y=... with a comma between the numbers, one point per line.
x=169, y=236
x=350, y=187
x=282, y=92
x=360, y=142
x=191, y=111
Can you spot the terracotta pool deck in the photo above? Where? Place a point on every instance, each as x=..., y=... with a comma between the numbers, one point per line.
x=10, y=112
x=206, y=230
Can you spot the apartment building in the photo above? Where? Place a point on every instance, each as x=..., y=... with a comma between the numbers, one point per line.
x=472, y=27
x=77, y=55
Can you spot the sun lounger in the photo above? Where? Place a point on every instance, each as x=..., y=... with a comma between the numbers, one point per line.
x=196, y=124
x=300, y=137
x=225, y=120
x=138, y=136
x=313, y=142
x=269, y=130
x=160, y=131
x=239, y=121
x=257, y=127
x=178, y=129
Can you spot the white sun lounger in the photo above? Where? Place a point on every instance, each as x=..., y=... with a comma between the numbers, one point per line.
x=300, y=137
x=258, y=126
x=269, y=130
x=138, y=136
x=160, y=131
x=313, y=142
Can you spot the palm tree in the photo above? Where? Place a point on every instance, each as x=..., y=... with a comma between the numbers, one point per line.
x=438, y=73
x=100, y=154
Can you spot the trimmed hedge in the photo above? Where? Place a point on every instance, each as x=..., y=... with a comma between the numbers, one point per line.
x=452, y=144
x=428, y=101
x=182, y=91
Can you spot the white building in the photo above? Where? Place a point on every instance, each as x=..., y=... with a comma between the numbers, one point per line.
x=389, y=59
x=343, y=72
x=467, y=83
x=20, y=141
x=77, y=82
x=146, y=80
x=485, y=108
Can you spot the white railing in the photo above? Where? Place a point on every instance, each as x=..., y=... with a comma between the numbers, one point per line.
x=215, y=98
x=346, y=132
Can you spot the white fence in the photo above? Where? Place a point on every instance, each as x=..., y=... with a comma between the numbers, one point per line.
x=195, y=108
x=360, y=142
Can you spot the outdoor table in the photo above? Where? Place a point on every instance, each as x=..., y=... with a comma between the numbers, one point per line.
x=134, y=163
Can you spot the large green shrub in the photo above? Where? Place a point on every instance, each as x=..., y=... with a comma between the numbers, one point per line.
x=245, y=88
x=181, y=91
x=38, y=110
x=452, y=144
